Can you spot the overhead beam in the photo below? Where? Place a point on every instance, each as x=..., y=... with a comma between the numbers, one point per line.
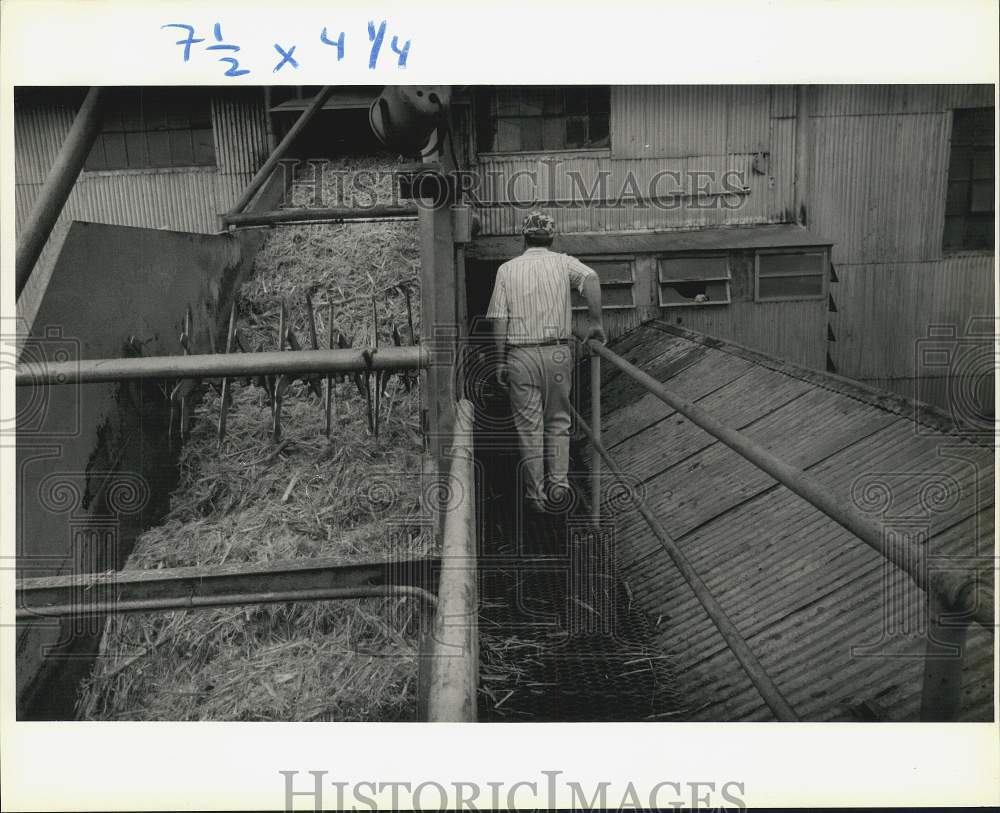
x=335, y=214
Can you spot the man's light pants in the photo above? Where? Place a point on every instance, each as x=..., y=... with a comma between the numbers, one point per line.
x=540, y=379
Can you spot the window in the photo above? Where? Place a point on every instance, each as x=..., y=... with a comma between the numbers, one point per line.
x=154, y=127
x=617, y=282
x=790, y=274
x=688, y=280
x=968, y=215
x=536, y=118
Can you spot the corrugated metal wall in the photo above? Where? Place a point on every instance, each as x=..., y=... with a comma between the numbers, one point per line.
x=659, y=129
x=676, y=129
x=180, y=199
x=789, y=330
x=878, y=183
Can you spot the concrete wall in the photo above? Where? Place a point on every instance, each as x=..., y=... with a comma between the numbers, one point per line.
x=94, y=463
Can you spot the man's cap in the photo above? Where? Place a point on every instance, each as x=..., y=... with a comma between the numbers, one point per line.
x=538, y=223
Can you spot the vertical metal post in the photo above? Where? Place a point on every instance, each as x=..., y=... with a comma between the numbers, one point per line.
x=58, y=184
x=802, y=150
x=451, y=676
x=595, y=425
x=272, y=138
x=941, y=699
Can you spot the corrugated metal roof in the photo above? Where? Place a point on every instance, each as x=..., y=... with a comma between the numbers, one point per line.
x=837, y=627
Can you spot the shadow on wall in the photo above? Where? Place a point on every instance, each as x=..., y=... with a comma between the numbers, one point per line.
x=94, y=462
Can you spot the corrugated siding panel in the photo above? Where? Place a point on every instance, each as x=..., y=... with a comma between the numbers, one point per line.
x=659, y=129
x=240, y=127
x=177, y=200
x=878, y=186
x=782, y=170
x=783, y=101
x=505, y=179
x=883, y=309
x=748, y=119
x=676, y=121
x=854, y=100
x=38, y=134
x=943, y=392
x=802, y=590
x=785, y=329
x=181, y=200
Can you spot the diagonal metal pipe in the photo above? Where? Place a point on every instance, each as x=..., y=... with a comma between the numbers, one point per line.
x=58, y=184
x=279, y=152
x=331, y=214
x=755, y=671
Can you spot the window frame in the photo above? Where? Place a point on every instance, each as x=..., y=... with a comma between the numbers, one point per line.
x=493, y=153
x=952, y=250
x=704, y=255
x=824, y=274
x=145, y=130
x=617, y=284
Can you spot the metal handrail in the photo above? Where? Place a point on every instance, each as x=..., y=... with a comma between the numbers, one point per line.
x=755, y=671
x=169, y=603
x=38, y=595
x=216, y=365
x=454, y=645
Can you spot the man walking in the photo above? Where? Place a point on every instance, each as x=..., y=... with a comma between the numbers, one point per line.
x=532, y=318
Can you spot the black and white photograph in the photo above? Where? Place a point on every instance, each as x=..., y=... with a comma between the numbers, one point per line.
x=653, y=402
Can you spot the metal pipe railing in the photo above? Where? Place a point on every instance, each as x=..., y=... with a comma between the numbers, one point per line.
x=38, y=594
x=454, y=646
x=218, y=365
x=170, y=603
x=595, y=420
x=330, y=214
x=279, y=152
x=960, y=595
x=58, y=185
x=755, y=671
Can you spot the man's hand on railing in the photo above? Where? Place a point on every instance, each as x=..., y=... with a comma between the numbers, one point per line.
x=503, y=378
x=596, y=332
